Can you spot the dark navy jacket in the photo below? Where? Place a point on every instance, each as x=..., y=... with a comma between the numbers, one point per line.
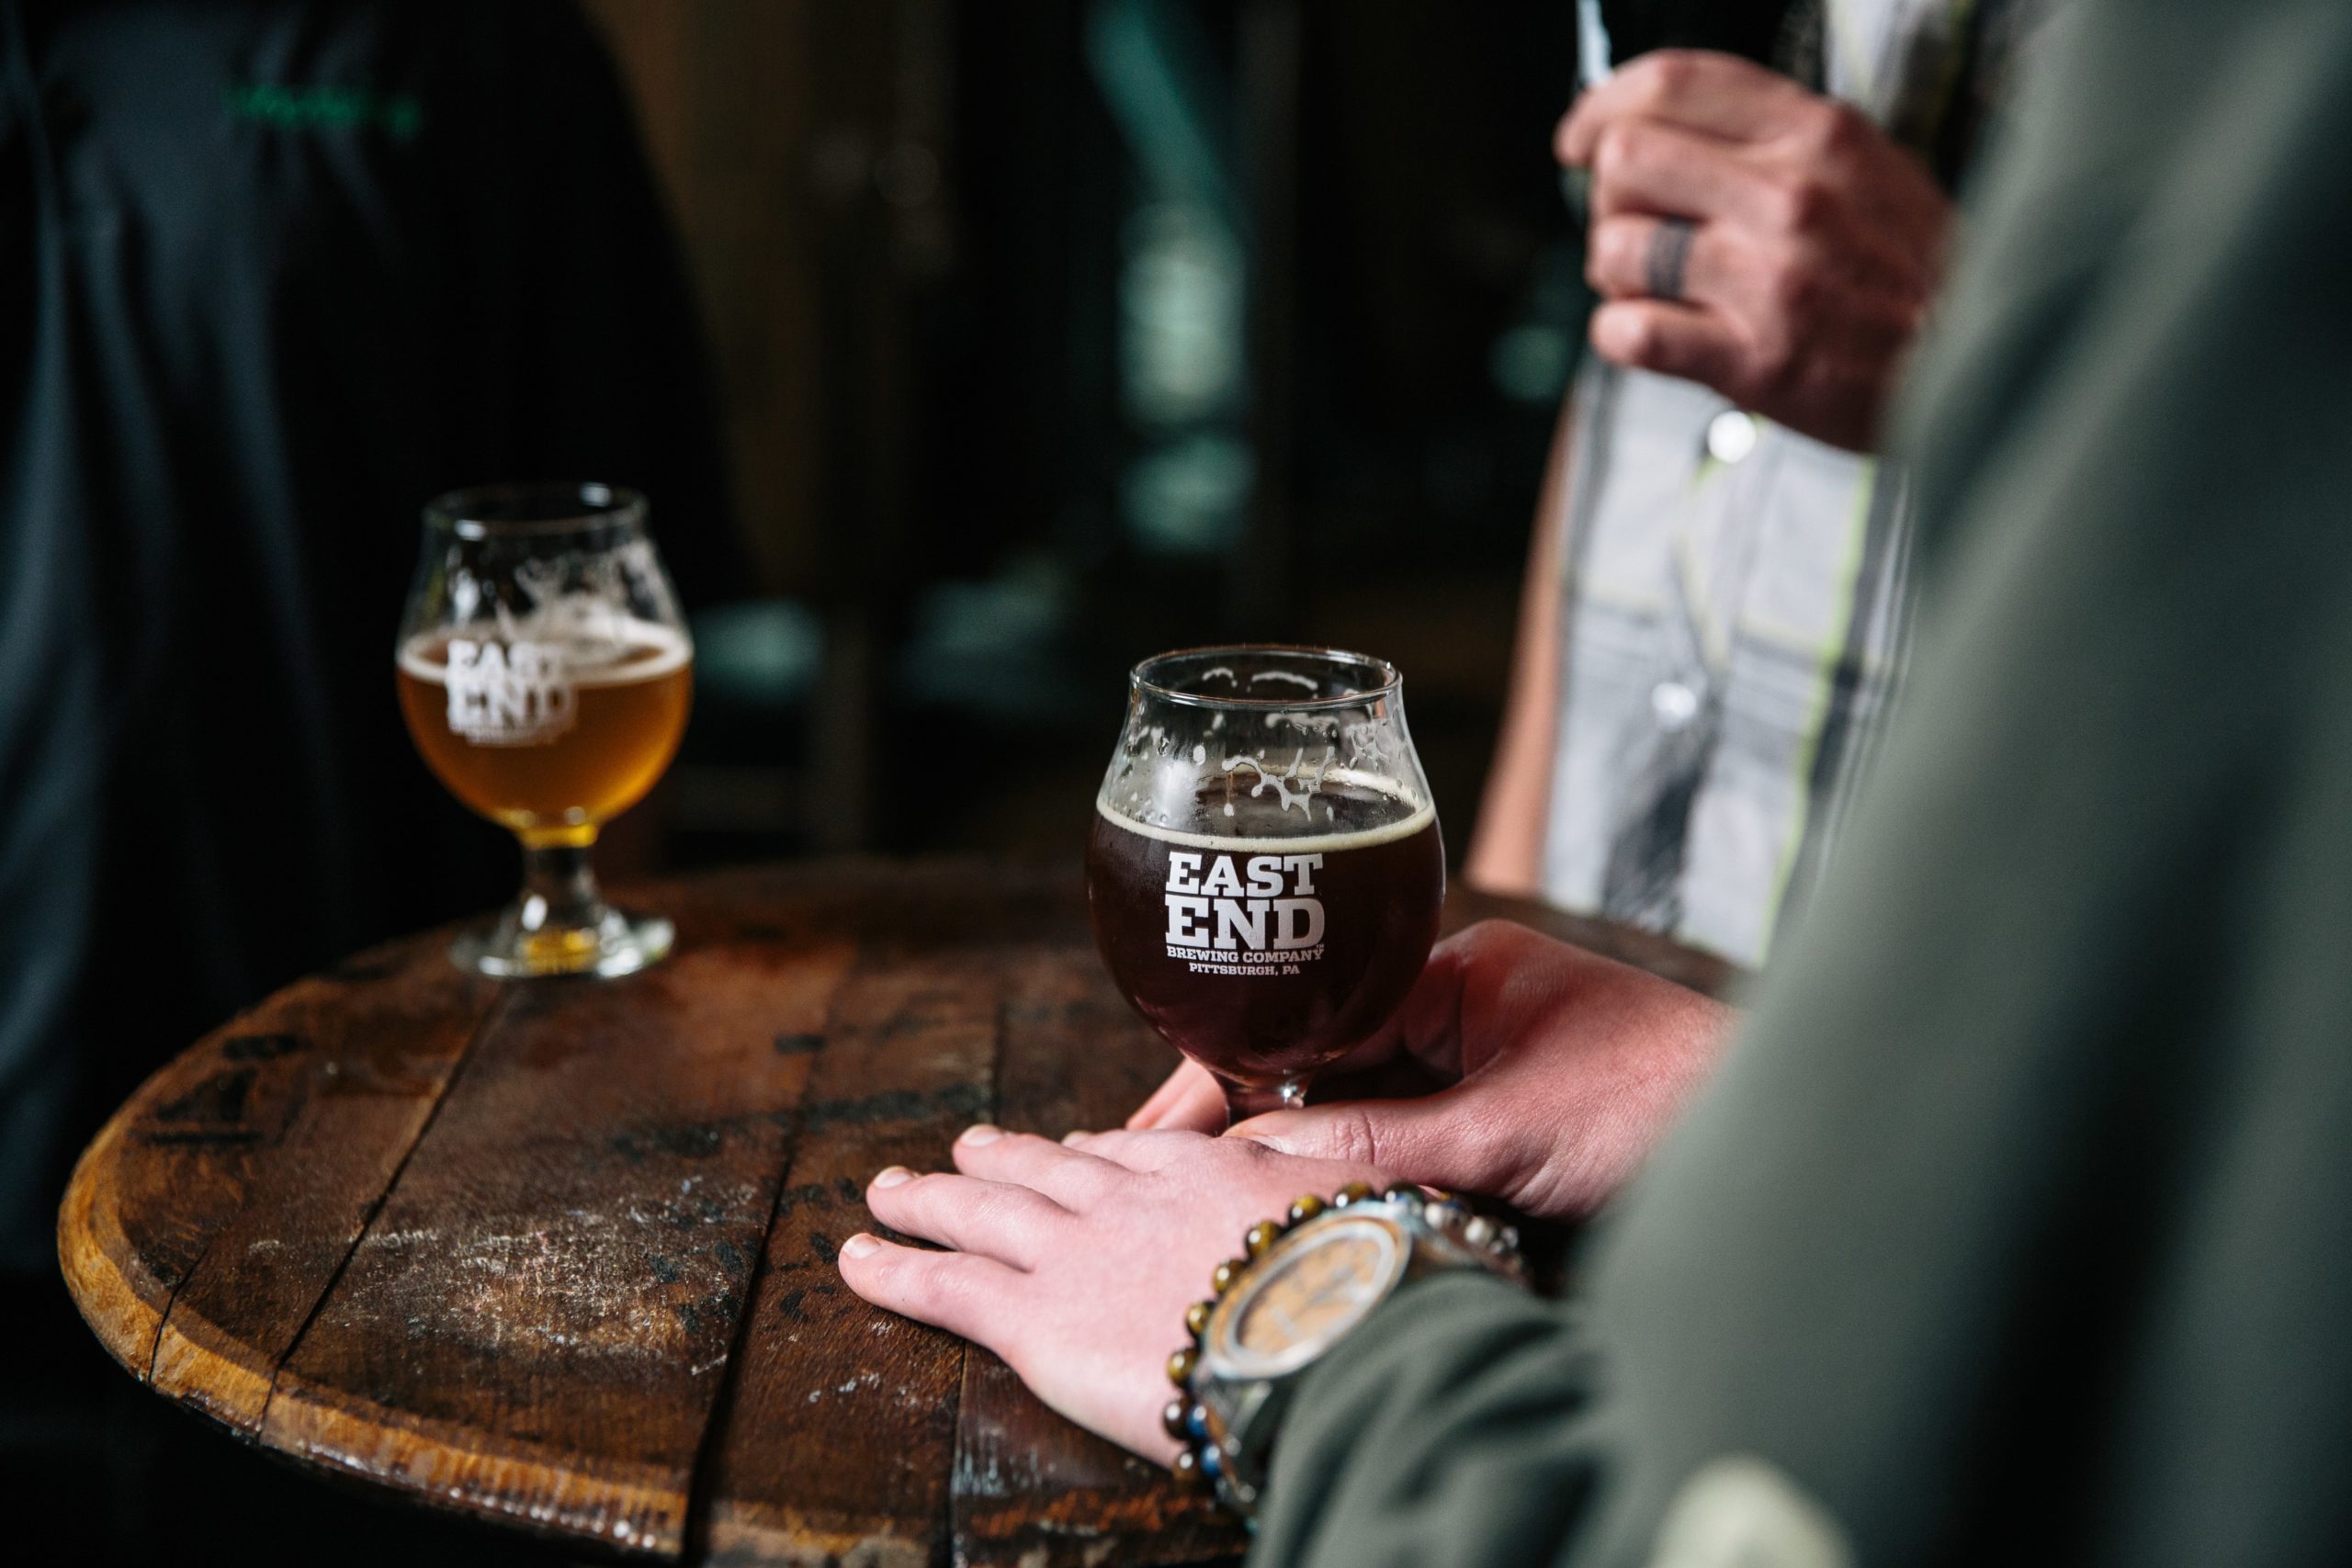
x=271, y=275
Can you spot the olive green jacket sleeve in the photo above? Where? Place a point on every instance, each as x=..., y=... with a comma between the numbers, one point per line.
x=2019, y=1227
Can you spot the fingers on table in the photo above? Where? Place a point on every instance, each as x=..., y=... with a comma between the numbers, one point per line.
x=1062, y=1173
x=1009, y=1223
x=975, y=1297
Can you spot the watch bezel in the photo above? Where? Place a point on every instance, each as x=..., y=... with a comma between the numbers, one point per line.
x=1222, y=1354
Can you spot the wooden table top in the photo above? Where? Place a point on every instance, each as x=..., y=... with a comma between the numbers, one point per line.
x=560, y=1253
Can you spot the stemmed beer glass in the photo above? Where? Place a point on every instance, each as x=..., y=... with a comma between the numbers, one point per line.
x=1265, y=873
x=544, y=673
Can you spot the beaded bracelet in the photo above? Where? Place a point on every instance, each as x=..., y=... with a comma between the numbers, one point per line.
x=1198, y=1463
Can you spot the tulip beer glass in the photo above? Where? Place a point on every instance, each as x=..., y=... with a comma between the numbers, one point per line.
x=545, y=674
x=1265, y=872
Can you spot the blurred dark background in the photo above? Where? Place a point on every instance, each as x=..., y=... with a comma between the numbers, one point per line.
x=1049, y=335
x=1055, y=333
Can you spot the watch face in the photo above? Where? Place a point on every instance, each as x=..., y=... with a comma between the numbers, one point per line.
x=1304, y=1295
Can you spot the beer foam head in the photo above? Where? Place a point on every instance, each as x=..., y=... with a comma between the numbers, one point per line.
x=1187, y=813
x=622, y=651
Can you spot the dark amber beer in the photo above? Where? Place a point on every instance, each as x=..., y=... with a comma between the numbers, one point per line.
x=1261, y=952
x=548, y=738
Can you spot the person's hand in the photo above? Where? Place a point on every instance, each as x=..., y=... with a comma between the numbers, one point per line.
x=1564, y=1068
x=1075, y=1261
x=1816, y=247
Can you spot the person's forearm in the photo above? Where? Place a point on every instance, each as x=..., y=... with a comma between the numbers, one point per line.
x=1507, y=849
x=1414, y=1442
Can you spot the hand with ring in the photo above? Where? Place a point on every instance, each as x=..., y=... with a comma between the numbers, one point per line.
x=1757, y=238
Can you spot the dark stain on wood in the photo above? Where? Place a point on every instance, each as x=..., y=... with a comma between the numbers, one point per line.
x=213, y=1138
x=220, y=1099
x=696, y=1141
x=262, y=1047
x=814, y=1194
x=950, y=1101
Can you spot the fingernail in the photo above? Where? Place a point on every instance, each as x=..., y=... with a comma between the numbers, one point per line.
x=893, y=1175
x=860, y=1245
x=1075, y=1136
x=980, y=1134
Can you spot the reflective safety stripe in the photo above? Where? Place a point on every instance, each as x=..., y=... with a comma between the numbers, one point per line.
x=1800, y=792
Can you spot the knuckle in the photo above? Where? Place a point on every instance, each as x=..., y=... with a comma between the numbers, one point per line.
x=1793, y=287
x=1003, y=1209
x=1612, y=253
x=1479, y=935
x=1637, y=337
x=928, y=1284
x=1492, y=937
x=1667, y=74
x=1830, y=127
x=1139, y=1150
x=926, y=1189
x=895, y=1275
x=1619, y=151
x=1774, y=365
x=1353, y=1139
x=1805, y=203
x=1088, y=1184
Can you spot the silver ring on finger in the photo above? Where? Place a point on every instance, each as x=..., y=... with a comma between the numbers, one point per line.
x=1669, y=259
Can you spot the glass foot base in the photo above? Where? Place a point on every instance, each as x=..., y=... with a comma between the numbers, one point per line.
x=615, y=943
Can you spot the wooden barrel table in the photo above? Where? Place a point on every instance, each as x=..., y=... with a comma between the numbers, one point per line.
x=561, y=1252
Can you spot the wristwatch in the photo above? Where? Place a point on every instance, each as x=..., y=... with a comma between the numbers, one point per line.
x=1303, y=1283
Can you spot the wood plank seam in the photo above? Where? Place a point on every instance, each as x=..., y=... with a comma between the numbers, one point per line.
x=952, y=1547
x=784, y=1525
x=695, y=1527
x=491, y=1017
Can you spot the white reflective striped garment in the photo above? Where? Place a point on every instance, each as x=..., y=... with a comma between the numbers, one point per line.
x=1733, y=604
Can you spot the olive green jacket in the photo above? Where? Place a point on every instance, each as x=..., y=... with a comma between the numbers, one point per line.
x=2019, y=1227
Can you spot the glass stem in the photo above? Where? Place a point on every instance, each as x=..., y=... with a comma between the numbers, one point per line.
x=559, y=891
x=1243, y=1101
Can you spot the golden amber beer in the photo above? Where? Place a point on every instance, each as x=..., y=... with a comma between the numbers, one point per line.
x=544, y=673
x=548, y=739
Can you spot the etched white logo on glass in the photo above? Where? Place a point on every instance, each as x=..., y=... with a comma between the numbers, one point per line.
x=1222, y=925
x=514, y=694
